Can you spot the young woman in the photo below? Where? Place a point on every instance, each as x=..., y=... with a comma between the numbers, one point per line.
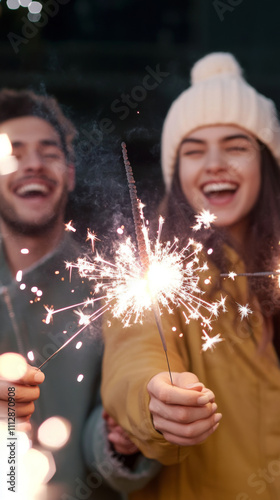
x=220, y=151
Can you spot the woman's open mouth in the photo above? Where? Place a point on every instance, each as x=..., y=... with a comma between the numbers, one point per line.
x=219, y=192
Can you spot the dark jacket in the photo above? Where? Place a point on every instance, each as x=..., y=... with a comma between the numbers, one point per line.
x=23, y=330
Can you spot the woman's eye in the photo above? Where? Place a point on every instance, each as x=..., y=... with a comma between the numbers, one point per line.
x=237, y=148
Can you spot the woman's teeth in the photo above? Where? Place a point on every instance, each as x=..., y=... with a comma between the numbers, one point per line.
x=219, y=187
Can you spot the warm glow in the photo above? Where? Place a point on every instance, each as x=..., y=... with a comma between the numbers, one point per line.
x=35, y=468
x=54, y=432
x=8, y=163
x=23, y=443
x=5, y=146
x=12, y=366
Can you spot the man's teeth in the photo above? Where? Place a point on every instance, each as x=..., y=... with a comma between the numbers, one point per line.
x=219, y=186
x=31, y=188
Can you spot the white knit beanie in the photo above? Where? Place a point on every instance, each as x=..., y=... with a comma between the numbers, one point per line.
x=218, y=95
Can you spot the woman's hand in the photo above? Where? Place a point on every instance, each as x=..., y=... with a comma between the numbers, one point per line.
x=185, y=413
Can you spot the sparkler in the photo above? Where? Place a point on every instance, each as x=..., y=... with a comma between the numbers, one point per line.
x=143, y=246
x=232, y=275
x=150, y=276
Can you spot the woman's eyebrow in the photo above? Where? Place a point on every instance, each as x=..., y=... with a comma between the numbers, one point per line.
x=192, y=140
x=237, y=136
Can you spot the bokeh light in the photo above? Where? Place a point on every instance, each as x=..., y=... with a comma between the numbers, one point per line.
x=30, y=355
x=54, y=433
x=35, y=7
x=5, y=145
x=12, y=366
x=24, y=3
x=34, y=18
x=13, y=4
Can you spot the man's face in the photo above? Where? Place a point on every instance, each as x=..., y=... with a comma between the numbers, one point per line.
x=33, y=198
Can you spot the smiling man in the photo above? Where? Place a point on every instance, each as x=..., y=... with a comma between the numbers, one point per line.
x=35, y=196
x=33, y=199
x=32, y=205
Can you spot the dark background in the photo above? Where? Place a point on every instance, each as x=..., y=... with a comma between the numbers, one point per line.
x=88, y=53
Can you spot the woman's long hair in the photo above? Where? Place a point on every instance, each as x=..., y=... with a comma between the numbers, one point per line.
x=261, y=249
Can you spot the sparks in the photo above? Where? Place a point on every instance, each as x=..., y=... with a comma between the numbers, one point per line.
x=84, y=318
x=91, y=236
x=149, y=277
x=210, y=342
x=244, y=311
x=205, y=219
x=171, y=279
x=69, y=227
x=48, y=318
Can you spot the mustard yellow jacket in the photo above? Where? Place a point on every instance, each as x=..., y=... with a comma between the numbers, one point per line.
x=241, y=460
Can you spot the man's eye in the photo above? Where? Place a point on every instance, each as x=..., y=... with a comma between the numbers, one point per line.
x=55, y=156
x=193, y=152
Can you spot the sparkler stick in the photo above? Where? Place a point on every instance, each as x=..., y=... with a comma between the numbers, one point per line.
x=138, y=224
x=93, y=317
x=259, y=273
x=142, y=246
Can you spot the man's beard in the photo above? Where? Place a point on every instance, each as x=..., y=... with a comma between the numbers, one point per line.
x=27, y=228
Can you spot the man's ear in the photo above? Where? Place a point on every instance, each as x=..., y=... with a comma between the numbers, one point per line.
x=71, y=177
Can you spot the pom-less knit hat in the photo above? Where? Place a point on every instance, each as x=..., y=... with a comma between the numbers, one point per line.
x=218, y=95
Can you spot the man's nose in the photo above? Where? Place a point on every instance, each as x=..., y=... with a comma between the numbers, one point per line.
x=31, y=160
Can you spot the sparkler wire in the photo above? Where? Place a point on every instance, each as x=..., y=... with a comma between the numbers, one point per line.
x=259, y=273
x=93, y=317
x=142, y=248
x=138, y=224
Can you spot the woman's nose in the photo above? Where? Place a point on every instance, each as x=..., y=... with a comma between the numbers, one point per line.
x=215, y=160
